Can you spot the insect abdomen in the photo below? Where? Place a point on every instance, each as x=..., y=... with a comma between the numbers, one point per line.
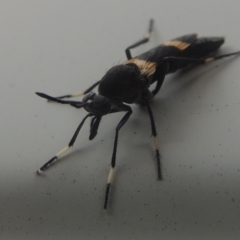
x=202, y=47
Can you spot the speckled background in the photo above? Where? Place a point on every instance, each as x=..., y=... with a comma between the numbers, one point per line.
x=60, y=47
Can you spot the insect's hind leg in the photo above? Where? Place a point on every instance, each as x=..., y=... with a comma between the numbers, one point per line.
x=144, y=40
x=199, y=60
x=210, y=59
x=79, y=94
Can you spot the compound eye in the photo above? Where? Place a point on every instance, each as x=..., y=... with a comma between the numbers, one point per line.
x=99, y=100
x=97, y=104
x=88, y=96
x=100, y=105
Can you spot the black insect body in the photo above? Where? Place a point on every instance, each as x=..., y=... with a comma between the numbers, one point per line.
x=129, y=83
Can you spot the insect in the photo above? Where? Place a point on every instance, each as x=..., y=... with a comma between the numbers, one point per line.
x=129, y=83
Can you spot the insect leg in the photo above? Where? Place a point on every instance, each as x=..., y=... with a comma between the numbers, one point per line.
x=199, y=60
x=158, y=86
x=94, y=127
x=156, y=143
x=64, y=150
x=210, y=59
x=144, y=40
x=159, y=76
x=79, y=94
x=76, y=104
x=113, y=161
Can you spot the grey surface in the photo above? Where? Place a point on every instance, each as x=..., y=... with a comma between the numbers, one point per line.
x=60, y=47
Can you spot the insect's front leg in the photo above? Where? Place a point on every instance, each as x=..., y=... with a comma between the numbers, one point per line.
x=113, y=161
x=155, y=139
x=76, y=104
x=64, y=150
x=79, y=94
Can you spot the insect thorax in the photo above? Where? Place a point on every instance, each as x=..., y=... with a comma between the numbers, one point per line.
x=123, y=82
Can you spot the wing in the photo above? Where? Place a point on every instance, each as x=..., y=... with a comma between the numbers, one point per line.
x=147, y=61
x=174, y=47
